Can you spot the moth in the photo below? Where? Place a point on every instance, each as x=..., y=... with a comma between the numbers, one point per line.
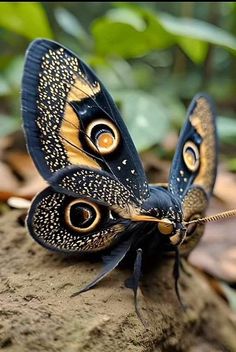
x=98, y=198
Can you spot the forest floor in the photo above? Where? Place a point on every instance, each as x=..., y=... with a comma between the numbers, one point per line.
x=38, y=314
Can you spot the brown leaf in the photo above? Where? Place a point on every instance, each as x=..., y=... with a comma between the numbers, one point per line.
x=21, y=164
x=9, y=184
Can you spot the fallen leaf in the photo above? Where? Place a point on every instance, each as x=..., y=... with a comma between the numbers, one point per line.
x=9, y=183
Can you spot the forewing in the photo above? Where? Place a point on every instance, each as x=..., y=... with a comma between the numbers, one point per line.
x=70, y=118
x=96, y=185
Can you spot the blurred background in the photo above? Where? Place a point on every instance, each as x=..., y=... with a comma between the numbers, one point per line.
x=153, y=58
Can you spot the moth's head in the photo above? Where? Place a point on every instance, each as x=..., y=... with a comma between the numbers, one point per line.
x=175, y=232
x=171, y=230
x=165, y=211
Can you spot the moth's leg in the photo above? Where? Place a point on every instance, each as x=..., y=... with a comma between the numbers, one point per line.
x=133, y=282
x=190, y=232
x=110, y=262
x=183, y=268
x=176, y=274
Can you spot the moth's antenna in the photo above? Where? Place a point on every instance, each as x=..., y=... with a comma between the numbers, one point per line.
x=216, y=217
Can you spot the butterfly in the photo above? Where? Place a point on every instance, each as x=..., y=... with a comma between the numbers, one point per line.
x=98, y=199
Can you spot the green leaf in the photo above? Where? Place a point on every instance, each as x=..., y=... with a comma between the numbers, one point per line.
x=227, y=129
x=128, y=16
x=129, y=36
x=131, y=31
x=116, y=74
x=231, y=164
x=14, y=71
x=147, y=119
x=163, y=30
x=176, y=109
x=4, y=86
x=70, y=24
x=197, y=30
x=25, y=18
x=8, y=124
x=195, y=49
x=116, y=38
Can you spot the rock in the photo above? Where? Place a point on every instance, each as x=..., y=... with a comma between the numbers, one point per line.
x=37, y=313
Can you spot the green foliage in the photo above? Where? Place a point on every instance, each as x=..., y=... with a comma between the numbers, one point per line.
x=232, y=164
x=70, y=24
x=8, y=125
x=25, y=18
x=129, y=33
x=227, y=129
x=142, y=31
x=193, y=36
x=147, y=117
x=152, y=57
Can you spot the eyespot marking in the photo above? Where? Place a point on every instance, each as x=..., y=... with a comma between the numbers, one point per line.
x=105, y=140
x=191, y=156
x=82, y=215
x=103, y=136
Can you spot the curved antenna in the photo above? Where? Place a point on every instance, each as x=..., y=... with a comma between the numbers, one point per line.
x=216, y=217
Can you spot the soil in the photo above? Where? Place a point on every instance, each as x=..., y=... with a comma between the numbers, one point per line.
x=38, y=314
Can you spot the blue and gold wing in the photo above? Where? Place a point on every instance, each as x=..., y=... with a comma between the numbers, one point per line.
x=194, y=167
x=70, y=119
x=73, y=225
x=195, y=160
x=81, y=146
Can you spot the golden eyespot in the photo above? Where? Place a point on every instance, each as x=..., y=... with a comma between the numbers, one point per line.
x=102, y=136
x=191, y=156
x=105, y=140
x=165, y=228
x=82, y=215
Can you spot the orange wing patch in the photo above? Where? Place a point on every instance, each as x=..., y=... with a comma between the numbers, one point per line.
x=81, y=89
x=70, y=126
x=69, y=133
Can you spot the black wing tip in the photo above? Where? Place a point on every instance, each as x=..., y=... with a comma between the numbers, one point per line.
x=32, y=67
x=35, y=51
x=40, y=45
x=43, y=43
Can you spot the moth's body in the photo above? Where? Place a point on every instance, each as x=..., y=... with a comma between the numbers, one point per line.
x=164, y=206
x=98, y=196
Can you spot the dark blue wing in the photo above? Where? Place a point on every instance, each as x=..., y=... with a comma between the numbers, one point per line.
x=195, y=160
x=70, y=118
x=49, y=224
